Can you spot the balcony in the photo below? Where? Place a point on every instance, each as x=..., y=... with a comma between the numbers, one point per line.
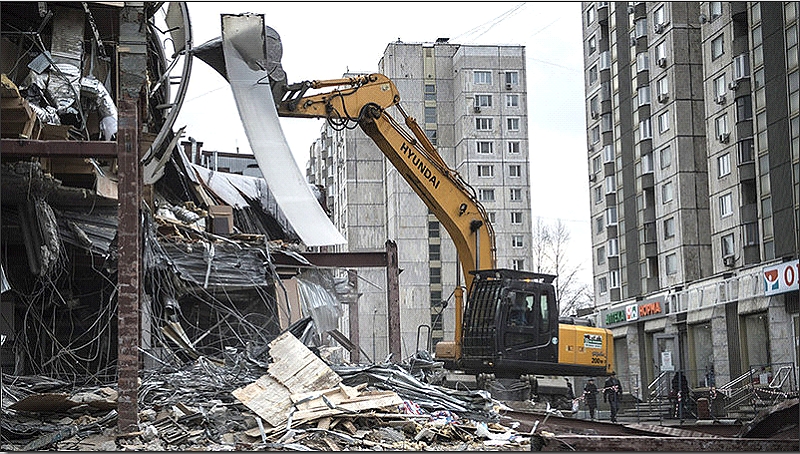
x=648, y=181
x=749, y=213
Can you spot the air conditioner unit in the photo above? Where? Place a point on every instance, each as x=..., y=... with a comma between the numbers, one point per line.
x=662, y=62
x=508, y=86
x=720, y=99
x=595, y=115
x=724, y=137
x=729, y=260
x=476, y=109
x=733, y=85
x=630, y=9
x=662, y=97
x=658, y=28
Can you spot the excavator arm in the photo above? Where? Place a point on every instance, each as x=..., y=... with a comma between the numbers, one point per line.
x=364, y=100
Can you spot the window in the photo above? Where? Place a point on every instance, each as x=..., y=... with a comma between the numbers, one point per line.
x=430, y=92
x=719, y=87
x=594, y=106
x=672, y=264
x=725, y=205
x=518, y=264
x=486, y=195
x=666, y=157
x=727, y=245
x=515, y=170
x=724, y=165
x=512, y=100
x=434, y=252
x=643, y=95
x=717, y=47
x=601, y=255
x=661, y=51
x=433, y=229
x=591, y=45
x=667, y=192
x=613, y=247
x=642, y=62
x=641, y=27
x=602, y=286
x=483, y=124
x=432, y=136
x=645, y=129
x=515, y=194
x=744, y=108
x=611, y=184
x=483, y=100
x=516, y=217
x=596, y=163
x=485, y=171
x=598, y=194
x=430, y=115
x=512, y=78
x=516, y=241
x=613, y=279
x=663, y=122
x=482, y=77
x=595, y=134
x=513, y=147
x=669, y=228
x=435, y=274
x=663, y=86
x=715, y=9
x=590, y=15
x=611, y=216
x=513, y=124
x=751, y=233
x=605, y=60
x=592, y=75
x=741, y=66
x=721, y=123
x=608, y=153
x=659, y=17
x=599, y=224
x=491, y=216
x=647, y=163
x=485, y=147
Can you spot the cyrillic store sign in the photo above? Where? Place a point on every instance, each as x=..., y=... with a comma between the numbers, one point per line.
x=634, y=312
x=782, y=278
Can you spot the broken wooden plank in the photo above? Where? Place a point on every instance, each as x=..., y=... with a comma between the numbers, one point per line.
x=268, y=398
x=297, y=367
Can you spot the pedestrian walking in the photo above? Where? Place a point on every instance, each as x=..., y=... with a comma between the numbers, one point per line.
x=612, y=393
x=590, y=395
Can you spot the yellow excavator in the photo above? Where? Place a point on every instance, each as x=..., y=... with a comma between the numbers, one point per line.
x=510, y=325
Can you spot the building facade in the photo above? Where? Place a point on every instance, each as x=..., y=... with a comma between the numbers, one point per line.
x=693, y=144
x=472, y=103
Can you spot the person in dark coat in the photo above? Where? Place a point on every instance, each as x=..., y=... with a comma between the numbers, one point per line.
x=590, y=395
x=680, y=386
x=612, y=393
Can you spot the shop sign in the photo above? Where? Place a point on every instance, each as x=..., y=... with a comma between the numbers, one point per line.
x=647, y=309
x=782, y=278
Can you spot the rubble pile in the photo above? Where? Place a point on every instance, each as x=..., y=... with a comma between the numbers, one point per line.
x=297, y=403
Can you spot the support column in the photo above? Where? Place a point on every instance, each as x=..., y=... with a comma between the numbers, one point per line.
x=352, y=308
x=132, y=68
x=393, y=298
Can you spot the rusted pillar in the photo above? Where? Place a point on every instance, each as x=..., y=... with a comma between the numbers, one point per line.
x=352, y=308
x=393, y=297
x=132, y=68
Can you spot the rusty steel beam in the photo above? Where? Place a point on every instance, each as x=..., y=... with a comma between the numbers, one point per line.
x=393, y=299
x=132, y=67
x=64, y=148
x=610, y=443
x=352, y=311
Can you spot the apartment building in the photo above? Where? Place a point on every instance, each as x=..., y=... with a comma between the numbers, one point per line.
x=692, y=128
x=472, y=103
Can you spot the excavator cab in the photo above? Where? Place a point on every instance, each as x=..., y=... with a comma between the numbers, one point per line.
x=510, y=323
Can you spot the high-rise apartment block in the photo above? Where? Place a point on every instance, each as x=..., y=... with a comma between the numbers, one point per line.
x=693, y=147
x=471, y=101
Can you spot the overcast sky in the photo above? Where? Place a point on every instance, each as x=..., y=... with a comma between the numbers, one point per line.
x=323, y=40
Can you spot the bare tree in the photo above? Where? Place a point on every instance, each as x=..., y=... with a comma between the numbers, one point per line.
x=550, y=246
